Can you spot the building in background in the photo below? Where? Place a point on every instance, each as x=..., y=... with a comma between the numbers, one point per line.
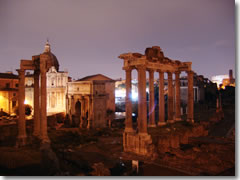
x=91, y=101
x=56, y=88
x=224, y=80
x=8, y=92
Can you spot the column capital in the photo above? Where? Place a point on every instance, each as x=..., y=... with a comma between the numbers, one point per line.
x=20, y=71
x=177, y=72
x=190, y=72
x=128, y=68
x=141, y=67
x=150, y=70
x=160, y=71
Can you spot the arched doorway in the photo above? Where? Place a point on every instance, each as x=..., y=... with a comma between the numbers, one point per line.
x=77, y=115
x=78, y=108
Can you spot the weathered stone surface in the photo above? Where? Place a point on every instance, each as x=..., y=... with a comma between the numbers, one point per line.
x=100, y=170
x=49, y=159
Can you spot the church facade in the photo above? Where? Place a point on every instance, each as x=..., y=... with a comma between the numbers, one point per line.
x=88, y=102
x=56, y=87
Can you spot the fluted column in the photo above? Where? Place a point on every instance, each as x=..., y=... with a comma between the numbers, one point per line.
x=190, y=97
x=161, y=120
x=170, y=98
x=151, y=100
x=142, y=104
x=128, y=122
x=36, y=130
x=178, y=107
x=43, y=129
x=22, y=136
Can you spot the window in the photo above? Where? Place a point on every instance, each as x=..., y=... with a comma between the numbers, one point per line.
x=14, y=104
x=14, y=94
x=16, y=85
x=7, y=85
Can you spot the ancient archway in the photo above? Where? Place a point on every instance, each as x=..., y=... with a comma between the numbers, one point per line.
x=78, y=108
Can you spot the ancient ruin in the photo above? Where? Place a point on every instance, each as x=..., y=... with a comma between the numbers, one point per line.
x=40, y=64
x=139, y=141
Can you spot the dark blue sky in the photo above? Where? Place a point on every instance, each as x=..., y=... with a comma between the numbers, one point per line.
x=87, y=36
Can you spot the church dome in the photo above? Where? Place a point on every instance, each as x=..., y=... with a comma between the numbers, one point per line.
x=52, y=58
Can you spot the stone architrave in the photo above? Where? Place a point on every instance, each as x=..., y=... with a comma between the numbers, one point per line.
x=128, y=121
x=190, y=105
x=151, y=99
x=36, y=130
x=22, y=136
x=142, y=101
x=178, y=107
x=170, y=98
x=161, y=121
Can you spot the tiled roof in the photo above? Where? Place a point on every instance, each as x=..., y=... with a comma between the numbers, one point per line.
x=8, y=76
x=94, y=77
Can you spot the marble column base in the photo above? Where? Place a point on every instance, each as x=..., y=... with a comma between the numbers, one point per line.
x=170, y=121
x=21, y=141
x=152, y=125
x=162, y=123
x=178, y=119
x=190, y=120
x=129, y=130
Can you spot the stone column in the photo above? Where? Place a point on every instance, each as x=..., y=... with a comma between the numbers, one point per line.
x=36, y=130
x=44, y=133
x=89, y=113
x=151, y=99
x=128, y=121
x=82, y=116
x=22, y=136
x=170, y=98
x=190, y=97
x=142, y=104
x=72, y=109
x=178, y=107
x=161, y=120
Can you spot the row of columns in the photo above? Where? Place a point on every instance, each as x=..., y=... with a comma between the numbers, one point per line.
x=40, y=107
x=142, y=102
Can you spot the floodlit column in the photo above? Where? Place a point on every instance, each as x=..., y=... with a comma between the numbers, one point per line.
x=142, y=103
x=151, y=100
x=89, y=113
x=128, y=122
x=178, y=107
x=161, y=100
x=44, y=133
x=190, y=97
x=22, y=136
x=82, y=116
x=170, y=98
x=36, y=130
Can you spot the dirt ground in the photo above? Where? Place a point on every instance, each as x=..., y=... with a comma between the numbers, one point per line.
x=78, y=152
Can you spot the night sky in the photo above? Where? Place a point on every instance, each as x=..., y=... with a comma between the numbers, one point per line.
x=87, y=36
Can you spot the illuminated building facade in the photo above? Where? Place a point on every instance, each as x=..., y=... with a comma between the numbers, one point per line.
x=56, y=90
x=8, y=92
x=224, y=80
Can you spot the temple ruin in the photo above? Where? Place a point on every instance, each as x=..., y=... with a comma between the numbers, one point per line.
x=139, y=141
x=40, y=64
